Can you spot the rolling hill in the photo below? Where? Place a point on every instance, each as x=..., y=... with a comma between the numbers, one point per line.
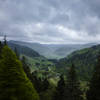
x=84, y=60
x=24, y=50
x=53, y=51
x=36, y=62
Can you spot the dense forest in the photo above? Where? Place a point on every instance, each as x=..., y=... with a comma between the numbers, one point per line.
x=84, y=59
x=26, y=75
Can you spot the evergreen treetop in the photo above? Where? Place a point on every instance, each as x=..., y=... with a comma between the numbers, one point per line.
x=73, y=91
x=14, y=84
x=94, y=88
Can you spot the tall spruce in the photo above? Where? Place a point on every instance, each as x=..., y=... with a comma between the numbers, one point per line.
x=17, y=53
x=45, y=84
x=59, y=94
x=94, y=91
x=38, y=83
x=73, y=91
x=5, y=40
x=26, y=67
x=1, y=46
x=14, y=84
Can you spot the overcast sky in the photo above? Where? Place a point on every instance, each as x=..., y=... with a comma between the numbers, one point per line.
x=51, y=21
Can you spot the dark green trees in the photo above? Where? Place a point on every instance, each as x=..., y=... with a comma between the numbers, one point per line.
x=59, y=94
x=1, y=46
x=69, y=90
x=5, y=41
x=45, y=84
x=94, y=91
x=14, y=84
x=72, y=91
x=26, y=68
x=17, y=53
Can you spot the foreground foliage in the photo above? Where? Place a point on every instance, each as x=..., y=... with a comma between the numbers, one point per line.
x=14, y=84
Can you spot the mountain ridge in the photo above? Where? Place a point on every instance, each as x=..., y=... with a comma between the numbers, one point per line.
x=53, y=51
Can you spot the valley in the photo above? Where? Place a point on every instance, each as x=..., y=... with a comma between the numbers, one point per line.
x=54, y=51
x=83, y=56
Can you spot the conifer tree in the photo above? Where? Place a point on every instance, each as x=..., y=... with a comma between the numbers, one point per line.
x=59, y=94
x=45, y=85
x=1, y=46
x=5, y=41
x=94, y=91
x=26, y=67
x=38, y=83
x=14, y=84
x=72, y=91
x=16, y=52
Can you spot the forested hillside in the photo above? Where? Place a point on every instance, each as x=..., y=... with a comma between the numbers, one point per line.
x=24, y=50
x=25, y=77
x=35, y=61
x=85, y=61
x=14, y=84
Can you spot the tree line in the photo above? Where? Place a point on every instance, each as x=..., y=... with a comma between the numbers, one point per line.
x=18, y=83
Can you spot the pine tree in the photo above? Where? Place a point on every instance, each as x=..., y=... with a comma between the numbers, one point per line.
x=5, y=41
x=45, y=85
x=1, y=46
x=73, y=91
x=59, y=94
x=14, y=84
x=26, y=67
x=16, y=52
x=94, y=91
x=38, y=83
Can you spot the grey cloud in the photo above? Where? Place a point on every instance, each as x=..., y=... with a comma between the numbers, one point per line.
x=19, y=19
